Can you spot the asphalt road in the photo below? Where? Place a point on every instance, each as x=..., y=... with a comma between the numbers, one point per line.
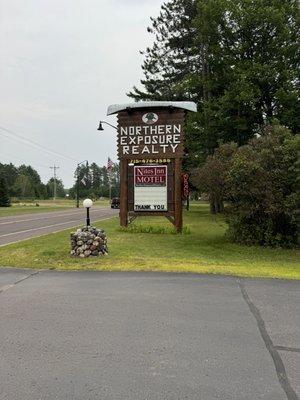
x=147, y=336
x=20, y=227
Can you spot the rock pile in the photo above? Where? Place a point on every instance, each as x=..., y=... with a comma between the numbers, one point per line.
x=88, y=241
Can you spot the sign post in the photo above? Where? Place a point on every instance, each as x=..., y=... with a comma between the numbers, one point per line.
x=150, y=149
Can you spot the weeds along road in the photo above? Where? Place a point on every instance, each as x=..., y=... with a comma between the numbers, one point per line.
x=20, y=227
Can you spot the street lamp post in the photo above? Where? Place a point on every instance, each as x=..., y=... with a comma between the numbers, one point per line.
x=87, y=203
x=77, y=182
x=100, y=127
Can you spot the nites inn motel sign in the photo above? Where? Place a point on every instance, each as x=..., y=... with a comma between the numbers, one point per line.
x=150, y=149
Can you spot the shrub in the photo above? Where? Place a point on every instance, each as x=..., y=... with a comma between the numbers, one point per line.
x=262, y=192
x=211, y=177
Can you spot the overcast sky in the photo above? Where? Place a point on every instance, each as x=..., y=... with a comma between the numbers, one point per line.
x=62, y=62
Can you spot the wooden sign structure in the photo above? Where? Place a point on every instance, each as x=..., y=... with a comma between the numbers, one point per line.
x=150, y=150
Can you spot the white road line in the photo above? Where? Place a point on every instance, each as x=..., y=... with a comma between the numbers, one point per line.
x=45, y=217
x=41, y=227
x=49, y=233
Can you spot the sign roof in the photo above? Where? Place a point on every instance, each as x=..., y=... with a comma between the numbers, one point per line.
x=185, y=105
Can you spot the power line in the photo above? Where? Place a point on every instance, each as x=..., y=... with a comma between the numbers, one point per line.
x=30, y=142
x=22, y=160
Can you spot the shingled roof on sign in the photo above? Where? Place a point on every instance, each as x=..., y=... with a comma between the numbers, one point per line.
x=185, y=105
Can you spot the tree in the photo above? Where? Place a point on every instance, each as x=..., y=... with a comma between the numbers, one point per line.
x=10, y=172
x=237, y=59
x=23, y=187
x=60, y=191
x=171, y=58
x=97, y=178
x=4, y=193
x=93, y=181
x=262, y=189
x=211, y=177
x=259, y=182
x=29, y=182
x=115, y=180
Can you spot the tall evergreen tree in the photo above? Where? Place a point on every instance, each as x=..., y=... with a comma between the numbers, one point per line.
x=29, y=183
x=170, y=60
x=4, y=193
x=238, y=59
x=96, y=176
x=10, y=172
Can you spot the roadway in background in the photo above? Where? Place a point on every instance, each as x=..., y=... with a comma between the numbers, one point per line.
x=25, y=226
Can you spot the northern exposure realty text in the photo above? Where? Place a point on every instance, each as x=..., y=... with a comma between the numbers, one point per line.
x=155, y=139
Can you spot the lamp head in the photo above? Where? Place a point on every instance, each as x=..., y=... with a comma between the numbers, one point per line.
x=100, y=127
x=87, y=203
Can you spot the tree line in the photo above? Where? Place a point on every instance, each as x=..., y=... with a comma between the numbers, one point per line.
x=24, y=182
x=94, y=181
x=239, y=61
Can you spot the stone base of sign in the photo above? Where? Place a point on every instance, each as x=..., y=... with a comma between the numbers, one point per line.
x=88, y=242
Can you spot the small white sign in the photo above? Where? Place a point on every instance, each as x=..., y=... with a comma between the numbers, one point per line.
x=150, y=188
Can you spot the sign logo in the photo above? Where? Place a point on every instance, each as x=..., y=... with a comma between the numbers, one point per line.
x=150, y=118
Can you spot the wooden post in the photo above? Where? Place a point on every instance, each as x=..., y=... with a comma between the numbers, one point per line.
x=124, y=193
x=177, y=196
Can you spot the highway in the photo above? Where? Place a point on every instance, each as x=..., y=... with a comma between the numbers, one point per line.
x=20, y=227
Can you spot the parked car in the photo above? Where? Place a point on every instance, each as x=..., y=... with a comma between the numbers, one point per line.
x=115, y=202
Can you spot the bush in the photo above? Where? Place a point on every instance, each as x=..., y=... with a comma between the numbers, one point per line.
x=211, y=177
x=262, y=190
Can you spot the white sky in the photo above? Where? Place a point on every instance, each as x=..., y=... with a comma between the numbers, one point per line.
x=62, y=62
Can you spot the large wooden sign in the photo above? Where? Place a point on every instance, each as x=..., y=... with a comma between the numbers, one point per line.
x=150, y=149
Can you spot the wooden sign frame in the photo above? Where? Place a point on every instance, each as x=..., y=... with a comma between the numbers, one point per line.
x=151, y=133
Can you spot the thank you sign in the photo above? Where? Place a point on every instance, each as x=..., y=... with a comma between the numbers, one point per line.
x=150, y=188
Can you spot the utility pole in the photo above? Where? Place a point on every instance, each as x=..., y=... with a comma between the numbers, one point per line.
x=55, y=167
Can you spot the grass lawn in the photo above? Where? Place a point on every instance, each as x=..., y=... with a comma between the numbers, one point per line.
x=44, y=206
x=203, y=248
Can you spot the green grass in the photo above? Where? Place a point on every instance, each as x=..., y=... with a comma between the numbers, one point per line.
x=44, y=206
x=202, y=249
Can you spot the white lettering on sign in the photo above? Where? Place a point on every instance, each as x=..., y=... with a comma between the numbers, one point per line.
x=153, y=130
x=150, y=188
x=150, y=139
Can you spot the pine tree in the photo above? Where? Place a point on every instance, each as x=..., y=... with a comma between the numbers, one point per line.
x=237, y=59
x=169, y=62
x=4, y=196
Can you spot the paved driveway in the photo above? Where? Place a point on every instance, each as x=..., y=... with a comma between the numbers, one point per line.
x=138, y=336
x=20, y=227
